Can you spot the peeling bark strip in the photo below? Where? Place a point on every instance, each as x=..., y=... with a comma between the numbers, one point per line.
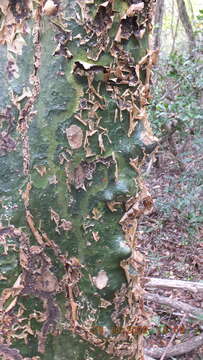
x=75, y=81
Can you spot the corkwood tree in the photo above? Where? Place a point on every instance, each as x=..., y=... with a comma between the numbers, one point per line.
x=74, y=79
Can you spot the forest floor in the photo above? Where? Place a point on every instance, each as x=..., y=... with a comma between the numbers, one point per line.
x=171, y=240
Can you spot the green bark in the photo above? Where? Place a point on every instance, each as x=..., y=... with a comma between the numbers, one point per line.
x=74, y=86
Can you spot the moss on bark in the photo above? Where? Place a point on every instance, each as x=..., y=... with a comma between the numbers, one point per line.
x=74, y=87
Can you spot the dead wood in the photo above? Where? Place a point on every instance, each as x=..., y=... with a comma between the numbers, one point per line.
x=148, y=357
x=174, y=284
x=190, y=311
x=176, y=350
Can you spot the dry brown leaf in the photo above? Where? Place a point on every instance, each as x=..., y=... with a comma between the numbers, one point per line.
x=75, y=136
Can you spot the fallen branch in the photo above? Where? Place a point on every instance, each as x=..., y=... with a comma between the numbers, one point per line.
x=190, y=311
x=176, y=350
x=148, y=357
x=172, y=339
x=174, y=284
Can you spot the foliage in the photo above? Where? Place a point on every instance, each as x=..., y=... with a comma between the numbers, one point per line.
x=175, y=113
x=175, y=102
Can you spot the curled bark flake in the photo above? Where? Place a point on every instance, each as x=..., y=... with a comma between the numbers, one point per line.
x=96, y=28
x=96, y=214
x=5, y=234
x=60, y=223
x=36, y=280
x=56, y=218
x=104, y=303
x=26, y=194
x=104, y=17
x=35, y=232
x=101, y=143
x=95, y=235
x=135, y=115
x=73, y=269
x=62, y=38
x=66, y=225
x=85, y=66
x=129, y=23
x=112, y=205
x=41, y=169
x=50, y=8
x=12, y=29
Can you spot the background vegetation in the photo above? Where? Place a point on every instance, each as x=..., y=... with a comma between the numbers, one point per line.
x=172, y=235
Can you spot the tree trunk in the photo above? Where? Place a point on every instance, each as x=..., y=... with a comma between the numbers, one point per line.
x=158, y=21
x=74, y=81
x=186, y=24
